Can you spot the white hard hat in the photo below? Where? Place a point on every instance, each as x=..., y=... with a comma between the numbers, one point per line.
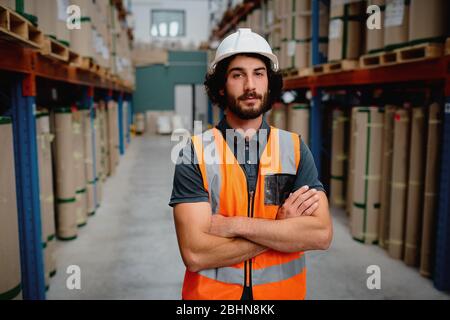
x=244, y=41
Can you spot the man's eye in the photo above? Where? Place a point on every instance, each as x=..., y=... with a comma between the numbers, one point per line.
x=236, y=75
x=259, y=74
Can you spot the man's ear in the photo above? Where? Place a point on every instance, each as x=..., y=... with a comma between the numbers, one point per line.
x=222, y=92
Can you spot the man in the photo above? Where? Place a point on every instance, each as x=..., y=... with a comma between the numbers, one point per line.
x=246, y=197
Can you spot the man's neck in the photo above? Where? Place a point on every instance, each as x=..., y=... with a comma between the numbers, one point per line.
x=238, y=123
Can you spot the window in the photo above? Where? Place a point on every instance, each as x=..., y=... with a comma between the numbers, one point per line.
x=167, y=23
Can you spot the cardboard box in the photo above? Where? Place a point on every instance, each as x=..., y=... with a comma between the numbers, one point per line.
x=400, y=170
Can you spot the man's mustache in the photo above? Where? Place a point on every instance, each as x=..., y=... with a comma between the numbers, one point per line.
x=246, y=96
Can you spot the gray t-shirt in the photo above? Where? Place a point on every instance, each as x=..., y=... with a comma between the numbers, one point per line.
x=188, y=181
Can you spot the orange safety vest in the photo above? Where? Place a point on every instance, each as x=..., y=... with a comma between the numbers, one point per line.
x=273, y=274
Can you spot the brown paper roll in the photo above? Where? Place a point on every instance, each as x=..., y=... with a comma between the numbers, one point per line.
x=10, y=276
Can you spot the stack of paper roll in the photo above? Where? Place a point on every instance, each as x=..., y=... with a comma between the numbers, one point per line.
x=367, y=174
x=44, y=140
x=298, y=120
x=396, y=24
x=88, y=161
x=79, y=160
x=386, y=180
x=338, y=158
x=65, y=179
x=400, y=159
x=10, y=277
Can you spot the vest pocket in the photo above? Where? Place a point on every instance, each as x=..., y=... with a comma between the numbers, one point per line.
x=277, y=188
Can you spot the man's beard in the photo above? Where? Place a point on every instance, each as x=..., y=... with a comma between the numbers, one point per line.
x=250, y=113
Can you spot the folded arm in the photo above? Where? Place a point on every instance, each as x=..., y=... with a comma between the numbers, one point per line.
x=201, y=250
x=300, y=233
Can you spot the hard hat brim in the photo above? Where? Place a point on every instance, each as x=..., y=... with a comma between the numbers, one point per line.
x=273, y=59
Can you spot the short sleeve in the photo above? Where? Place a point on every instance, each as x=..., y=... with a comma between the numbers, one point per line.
x=187, y=179
x=307, y=171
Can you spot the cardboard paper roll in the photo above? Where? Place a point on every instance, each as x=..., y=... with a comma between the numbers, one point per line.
x=386, y=180
x=279, y=116
x=431, y=190
x=367, y=174
x=87, y=130
x=298, y=120
x=428, y=20
x=140, y=123
x=399, y=184
x=415, y=187
x=47, y=14
x=81, y=209
x=375, y=37
x=338, y=159
x=67, y=219
x=396, y=23
x=90, y=192
x=65, y=179
x=10, y=277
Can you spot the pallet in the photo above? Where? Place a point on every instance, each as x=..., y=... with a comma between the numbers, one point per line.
x=15, y=28
x=54, y=49
x=333, y=67
x=420, y=52
x=403, y=55
x=87, y=63
x=74, y=59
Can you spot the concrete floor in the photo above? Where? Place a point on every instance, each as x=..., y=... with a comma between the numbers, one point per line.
x=129, y=249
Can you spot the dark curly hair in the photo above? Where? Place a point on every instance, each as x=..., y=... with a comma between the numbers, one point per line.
x=214, y=82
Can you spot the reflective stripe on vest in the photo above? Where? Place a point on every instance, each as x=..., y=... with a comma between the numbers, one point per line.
x=260, y=276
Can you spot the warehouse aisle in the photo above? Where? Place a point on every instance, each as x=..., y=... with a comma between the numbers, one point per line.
x=129, y=249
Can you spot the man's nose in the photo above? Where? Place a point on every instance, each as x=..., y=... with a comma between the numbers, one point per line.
x=249, y=84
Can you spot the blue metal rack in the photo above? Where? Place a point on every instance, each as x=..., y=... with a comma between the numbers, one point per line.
x=316, y=114
x=442, y=268
x=130, y=119
x=27, y=186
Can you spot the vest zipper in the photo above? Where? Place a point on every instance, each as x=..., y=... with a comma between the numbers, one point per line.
x=248, y=263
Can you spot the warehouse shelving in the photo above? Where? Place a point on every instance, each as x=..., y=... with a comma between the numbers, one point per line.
x=25, y=68
x=434, y=72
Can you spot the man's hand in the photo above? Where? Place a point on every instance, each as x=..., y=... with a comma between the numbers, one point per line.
x=222, y=226
x=302, y=202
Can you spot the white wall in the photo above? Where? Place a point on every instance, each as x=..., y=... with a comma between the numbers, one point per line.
x=196, y=20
